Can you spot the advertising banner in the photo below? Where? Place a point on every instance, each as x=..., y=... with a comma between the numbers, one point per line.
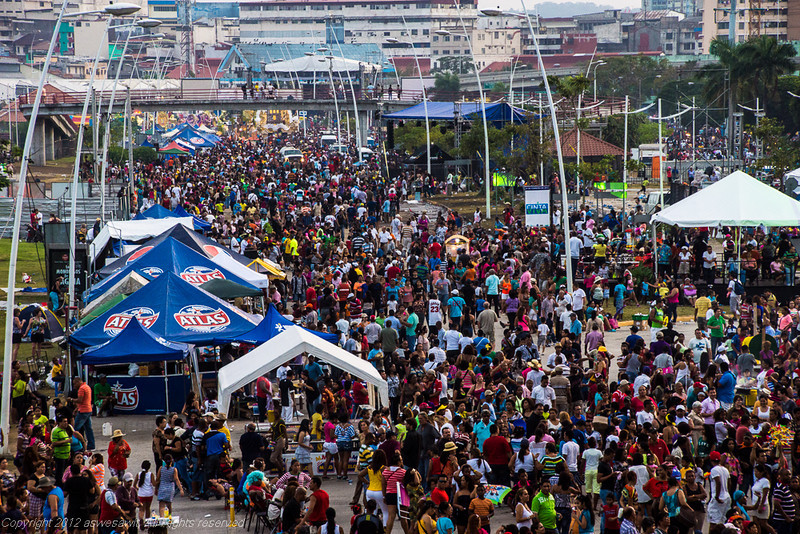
x=537, y=206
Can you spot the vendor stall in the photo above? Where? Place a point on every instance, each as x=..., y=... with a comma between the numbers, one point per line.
x=454, y=243
x=127, y=360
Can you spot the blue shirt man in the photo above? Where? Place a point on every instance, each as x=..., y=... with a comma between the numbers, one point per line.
x=456, y=304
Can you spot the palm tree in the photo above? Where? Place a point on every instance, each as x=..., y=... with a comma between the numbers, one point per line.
x=764, y=60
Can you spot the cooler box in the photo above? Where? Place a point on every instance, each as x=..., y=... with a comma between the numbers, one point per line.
x=639, y=320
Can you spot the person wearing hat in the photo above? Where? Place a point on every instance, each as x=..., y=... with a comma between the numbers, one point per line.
x=455, y=308
x=118, y=453
x=53, y=509
x=112, y=517
x=104, y=398
x=720, y=501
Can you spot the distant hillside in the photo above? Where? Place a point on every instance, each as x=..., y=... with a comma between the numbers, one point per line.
x=569, y=9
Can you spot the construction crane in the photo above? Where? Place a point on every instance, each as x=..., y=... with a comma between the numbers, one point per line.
x=185, y=11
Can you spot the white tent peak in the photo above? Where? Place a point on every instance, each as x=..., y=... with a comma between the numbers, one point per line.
x=736, y=200
x=284, y=347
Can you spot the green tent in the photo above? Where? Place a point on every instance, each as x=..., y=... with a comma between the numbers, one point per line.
x=228, y=290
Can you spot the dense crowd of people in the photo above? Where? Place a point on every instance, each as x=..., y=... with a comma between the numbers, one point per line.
x=500, y=377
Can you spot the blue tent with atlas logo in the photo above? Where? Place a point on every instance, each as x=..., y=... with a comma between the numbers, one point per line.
x=171, y=256
x=172, y=309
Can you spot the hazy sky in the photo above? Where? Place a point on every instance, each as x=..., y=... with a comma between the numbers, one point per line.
x=514, y=4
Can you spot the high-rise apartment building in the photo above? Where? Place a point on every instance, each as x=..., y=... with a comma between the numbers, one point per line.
x=355, y=21
x=776, y=18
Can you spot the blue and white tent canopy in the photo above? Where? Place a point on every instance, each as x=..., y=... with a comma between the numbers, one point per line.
x=172, y=309
x=270, y=326
x=171, y=256
x=135, y=344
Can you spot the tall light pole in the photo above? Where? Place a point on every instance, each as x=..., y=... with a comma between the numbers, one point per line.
x=359, y=141
x=335, y=98
x=487, y=174
x=597, y=64
x=107, y=132
x=556, y=135
x=147, y=23
x=424, y=97
x=5, y=405
x=625, y=155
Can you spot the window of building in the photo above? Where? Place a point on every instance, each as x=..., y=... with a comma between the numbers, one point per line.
x=435, y=38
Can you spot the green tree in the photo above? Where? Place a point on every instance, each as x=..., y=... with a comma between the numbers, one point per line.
x=614, y=132
x=445, y=85
x=473, y=143
x=780, y=153
x=765, y=61
x=527, y=153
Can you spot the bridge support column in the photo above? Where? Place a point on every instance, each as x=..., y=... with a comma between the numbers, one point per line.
x=40, y=145
x=363, y=127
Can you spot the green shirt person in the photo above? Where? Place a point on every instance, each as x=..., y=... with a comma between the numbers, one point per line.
x=61, y=440
x=717, y=324
x=544, y=507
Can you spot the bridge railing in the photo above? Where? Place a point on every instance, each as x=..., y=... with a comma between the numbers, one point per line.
x=142, y=96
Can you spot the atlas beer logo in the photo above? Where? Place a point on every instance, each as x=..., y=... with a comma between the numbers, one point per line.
x=200, y=275
x=117, y=322
x=152, y=272
x=213, y=250
x=138, y=253
x=127, y=397
x=201, y=318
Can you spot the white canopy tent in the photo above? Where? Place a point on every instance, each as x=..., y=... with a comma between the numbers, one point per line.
x=284, y=347
x=314, y=64
x=736, y=200
x=134, y=231
x=793, y=174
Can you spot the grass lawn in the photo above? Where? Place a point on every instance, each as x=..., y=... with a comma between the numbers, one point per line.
x=29, y=260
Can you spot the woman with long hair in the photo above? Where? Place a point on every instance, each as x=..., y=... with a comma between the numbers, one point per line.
x=426, y=524
x=330, y=526
x=146, y=488
x=672, y=501
x=392, y=474
x=303, y=450
x=372, y=479
x=584, y=515
x=522, y=511
x=461, y=500
x=760, y=507
x=166, y=481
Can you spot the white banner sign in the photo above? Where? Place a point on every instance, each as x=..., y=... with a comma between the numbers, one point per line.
x=537, y=206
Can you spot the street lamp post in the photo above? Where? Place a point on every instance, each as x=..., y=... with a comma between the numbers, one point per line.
x=597, y=64
x=355, y=100
x=76, y=171
x=556, y=136
x=487, y=174
x=335, y=98
x=424, y=97
x=5, y=406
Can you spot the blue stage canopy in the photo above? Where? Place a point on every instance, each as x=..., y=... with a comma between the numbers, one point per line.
x=496, y=113
x=172, y=309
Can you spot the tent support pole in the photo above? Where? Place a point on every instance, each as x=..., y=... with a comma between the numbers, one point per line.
x=166, y=386
x=197, y=379
x=655, y=252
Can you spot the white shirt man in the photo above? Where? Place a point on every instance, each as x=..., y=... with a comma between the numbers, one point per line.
x=571, y=451
x=439, y=355
x=544, y=394
x=451, y=339
x=575, y=245
x=434, y=311
x=578, y=298
x=698, y=346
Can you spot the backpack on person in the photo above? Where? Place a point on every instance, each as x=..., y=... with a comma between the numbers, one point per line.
x=738, y=288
